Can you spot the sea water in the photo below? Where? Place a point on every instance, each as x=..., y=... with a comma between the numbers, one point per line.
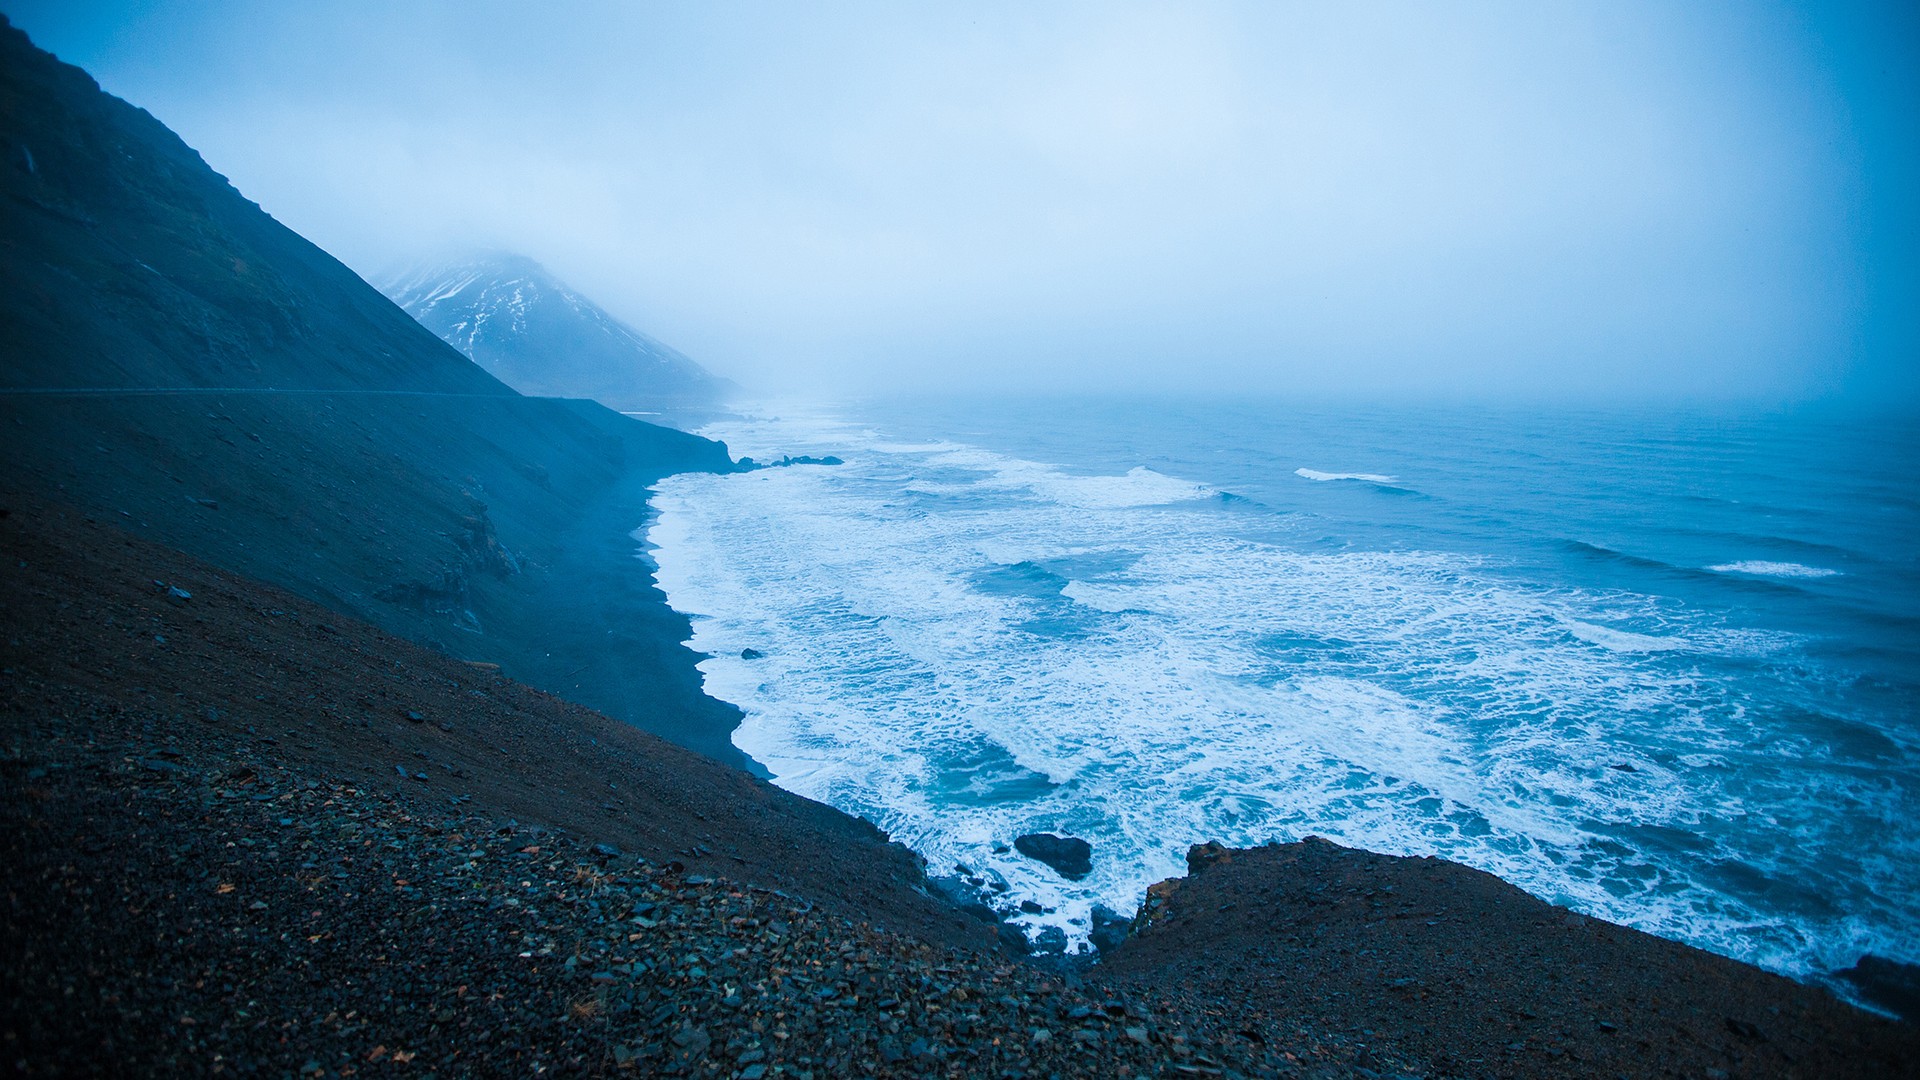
x=1660, y=667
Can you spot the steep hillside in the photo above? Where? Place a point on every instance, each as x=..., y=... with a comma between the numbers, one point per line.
x=126, y=262
x=178, y=361
x=531, y=331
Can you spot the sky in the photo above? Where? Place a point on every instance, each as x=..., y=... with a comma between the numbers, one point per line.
x=1498, y=199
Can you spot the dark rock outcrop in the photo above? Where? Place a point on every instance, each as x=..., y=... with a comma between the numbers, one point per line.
x=1461, y=973
x=1070, y=856
x=1201, y=856
x=1109, y=928
x=748, y=464
x=1892, y=985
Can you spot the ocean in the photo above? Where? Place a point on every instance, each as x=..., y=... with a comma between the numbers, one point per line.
x=1662, y=667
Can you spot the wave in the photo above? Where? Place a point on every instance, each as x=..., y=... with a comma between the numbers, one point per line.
x=1047, y=650
x=1766, y=568
x=1600, y=551
x=1622, y=640
x=1369, y=478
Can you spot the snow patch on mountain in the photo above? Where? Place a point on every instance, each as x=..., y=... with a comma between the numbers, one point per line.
x=511, y=316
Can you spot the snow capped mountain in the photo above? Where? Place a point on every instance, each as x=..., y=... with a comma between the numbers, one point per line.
x=526, y=327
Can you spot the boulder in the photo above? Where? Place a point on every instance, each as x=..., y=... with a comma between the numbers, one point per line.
x=1890, y=984
x=1110, y=928
x=1069, y=856
x=1201, y=856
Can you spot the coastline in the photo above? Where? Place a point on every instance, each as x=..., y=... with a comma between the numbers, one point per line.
x=152, y=739
x=954, y=619
x=276, y=560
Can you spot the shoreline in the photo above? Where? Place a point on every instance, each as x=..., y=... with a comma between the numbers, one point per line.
x=1652, y=918
x=257, y=703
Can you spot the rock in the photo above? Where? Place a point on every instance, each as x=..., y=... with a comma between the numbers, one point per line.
x=751, y=654
x=1031, y=908
x=1110, y=928
x=1069, y=856
x=414, y=716
x=693, y=1042
x=1887, y=983
x=1051, y=941
x=1013, y=940
x=1201, y=856
x=606, y=851
x=980, y=911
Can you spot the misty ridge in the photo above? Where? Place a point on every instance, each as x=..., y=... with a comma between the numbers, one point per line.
x=1584, y=203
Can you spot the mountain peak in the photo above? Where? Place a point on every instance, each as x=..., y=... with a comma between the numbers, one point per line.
x=517, y=320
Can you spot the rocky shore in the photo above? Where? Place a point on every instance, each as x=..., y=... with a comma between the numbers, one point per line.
x=174, y=909
x=247, y=835
x=1460, y=971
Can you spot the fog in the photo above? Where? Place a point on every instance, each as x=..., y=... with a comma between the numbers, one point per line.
x=1442, y=201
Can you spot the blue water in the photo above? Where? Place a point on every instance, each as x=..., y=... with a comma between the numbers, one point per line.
x=1661, y=667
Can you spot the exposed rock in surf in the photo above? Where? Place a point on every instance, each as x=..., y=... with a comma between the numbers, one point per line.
x=747, y=464
x=1069, y=856
x=1050, y=941
x=1110, y=928
x=1892, y=985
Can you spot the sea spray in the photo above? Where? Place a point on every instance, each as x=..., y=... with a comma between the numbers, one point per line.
x=965, y=643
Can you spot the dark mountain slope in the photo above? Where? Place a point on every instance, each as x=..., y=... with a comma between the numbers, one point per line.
x=539, y=336
x=349, y=455
x=126, y=261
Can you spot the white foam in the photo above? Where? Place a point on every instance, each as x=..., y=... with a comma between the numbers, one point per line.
x=1198, y=685
x=1370, y=478
x=1764, y=568
x=1621, y=640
